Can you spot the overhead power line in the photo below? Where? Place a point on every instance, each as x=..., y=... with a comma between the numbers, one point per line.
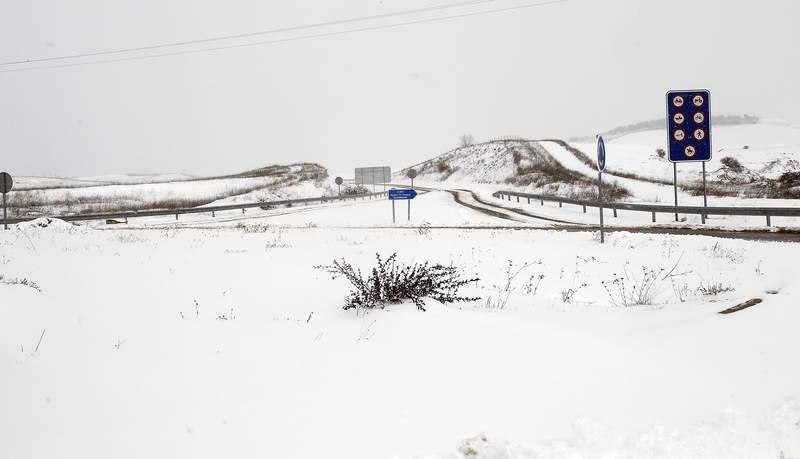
x=274, y=31
x=251, y=34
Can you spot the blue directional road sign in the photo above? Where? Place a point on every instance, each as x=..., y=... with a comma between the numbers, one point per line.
x=689, y=125
x=601, y=154
x=395, y=194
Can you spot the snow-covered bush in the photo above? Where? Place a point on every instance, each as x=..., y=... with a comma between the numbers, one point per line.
x=391, y=283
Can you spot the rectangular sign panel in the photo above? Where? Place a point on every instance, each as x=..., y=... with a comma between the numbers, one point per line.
x=373, y=175
x=395, y=194
x=689, y=125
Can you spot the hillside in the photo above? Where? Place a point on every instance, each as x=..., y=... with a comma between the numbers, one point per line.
x=765, y=159
x=522, y=164
x=33, y=196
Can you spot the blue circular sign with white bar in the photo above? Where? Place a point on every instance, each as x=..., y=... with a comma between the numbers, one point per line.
x=601, y=154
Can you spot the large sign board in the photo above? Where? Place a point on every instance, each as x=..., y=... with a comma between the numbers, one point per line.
x=373, y=175
x=689, y=125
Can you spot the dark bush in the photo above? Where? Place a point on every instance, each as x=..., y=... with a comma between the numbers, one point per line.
x=732, y=163
x=389, y=283
x=661, y=153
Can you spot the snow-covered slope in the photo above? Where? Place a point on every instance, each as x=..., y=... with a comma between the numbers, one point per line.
x=523, y=164
x=769, y=147
x=121, y=193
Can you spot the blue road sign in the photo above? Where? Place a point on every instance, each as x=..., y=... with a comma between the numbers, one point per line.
x=395, y=194
x=601, y=154
x=689, y=125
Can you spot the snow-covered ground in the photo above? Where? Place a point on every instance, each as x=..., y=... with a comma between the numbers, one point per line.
x=221, y=339
x=755, y=146
x=119, y=192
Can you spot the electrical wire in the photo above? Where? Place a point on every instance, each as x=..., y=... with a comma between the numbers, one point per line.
x=269, y=42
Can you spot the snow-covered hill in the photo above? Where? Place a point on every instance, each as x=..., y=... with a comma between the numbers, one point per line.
x=765, y=150
x=51, y=196
x=523, y=164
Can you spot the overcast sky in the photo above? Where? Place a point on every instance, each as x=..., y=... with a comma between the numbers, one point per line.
x=393, y=96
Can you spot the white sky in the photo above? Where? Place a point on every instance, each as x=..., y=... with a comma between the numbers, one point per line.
x=393, y=96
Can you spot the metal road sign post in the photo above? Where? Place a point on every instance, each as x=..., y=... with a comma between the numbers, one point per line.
x=412, y=174
x=689, y=133
x=401, y=195
x=6, y=183
x=601, y=166
x=339, y=182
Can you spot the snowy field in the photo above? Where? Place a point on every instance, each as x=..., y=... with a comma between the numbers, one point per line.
x=769, y=147
x=219, y=338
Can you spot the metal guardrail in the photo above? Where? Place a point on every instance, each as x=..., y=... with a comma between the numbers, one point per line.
x=767, y=212
x=198, y=210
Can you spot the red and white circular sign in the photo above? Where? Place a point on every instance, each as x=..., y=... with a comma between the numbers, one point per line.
x=699, y=134
x=679, y=118
x=698, y=100
x=679, y=135
x=678, y=101
x=699, y=117
x=689, y=151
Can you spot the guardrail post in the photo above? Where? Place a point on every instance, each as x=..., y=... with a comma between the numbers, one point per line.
x=242, y=211
x=703, y=218
x=615, y=213
x=213, y=214
x=769, y=222
x=517, y=198
x=654, y=217
x=176, y=216
x=559, y=204
x=584, y=209
x=529, y=200
x=126, y=220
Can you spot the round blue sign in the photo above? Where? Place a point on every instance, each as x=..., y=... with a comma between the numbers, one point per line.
x=601, y=154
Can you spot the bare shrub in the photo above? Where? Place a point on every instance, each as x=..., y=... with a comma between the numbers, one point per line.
x=466, y=140
x=732, y=163
x=19, y=281
x=390, y=283
x=626, y=290
x=713, y=289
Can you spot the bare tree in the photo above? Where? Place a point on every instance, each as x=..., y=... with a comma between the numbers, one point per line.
x=467, y=140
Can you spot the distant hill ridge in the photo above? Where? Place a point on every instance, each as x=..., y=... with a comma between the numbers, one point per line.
x=652, y=125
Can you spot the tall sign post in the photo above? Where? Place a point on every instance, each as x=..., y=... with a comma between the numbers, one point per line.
x=601, y=166
x=339, y=182
x=689, y=133
x=412, y=174
x=6, y=183
x=401, y=195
